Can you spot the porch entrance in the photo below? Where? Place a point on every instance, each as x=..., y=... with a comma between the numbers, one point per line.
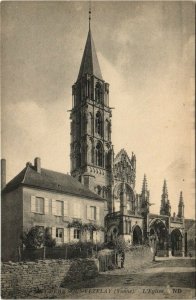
x=176, y=243
x=137, y=235
x=158, y=228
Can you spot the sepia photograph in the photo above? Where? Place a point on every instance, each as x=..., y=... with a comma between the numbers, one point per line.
x=98, y=150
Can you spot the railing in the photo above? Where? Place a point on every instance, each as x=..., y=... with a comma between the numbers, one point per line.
x=176, y=219
x=54, y=253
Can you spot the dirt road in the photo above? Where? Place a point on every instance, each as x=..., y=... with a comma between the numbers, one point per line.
x=163, y=279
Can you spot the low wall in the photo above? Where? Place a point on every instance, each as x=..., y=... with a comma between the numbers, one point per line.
x=20, y=279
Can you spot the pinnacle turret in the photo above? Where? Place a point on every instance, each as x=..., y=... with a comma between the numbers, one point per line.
x=165, y=203
x=144, y=185
x=181, y=206
x=165, y=191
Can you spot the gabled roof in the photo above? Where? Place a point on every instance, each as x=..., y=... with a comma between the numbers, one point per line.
x=90, y=64
x=50, y=180
x=118, y=157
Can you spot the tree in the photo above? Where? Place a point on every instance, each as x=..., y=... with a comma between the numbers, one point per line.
x=48, y=240
x=37, y=237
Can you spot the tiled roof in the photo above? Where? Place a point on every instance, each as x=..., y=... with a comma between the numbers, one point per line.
x=50, y=180
x=90, y=64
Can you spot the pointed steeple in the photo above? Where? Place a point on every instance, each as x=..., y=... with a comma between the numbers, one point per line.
x=144, y=186
x=181, y=201
x=90, y=64
x=165, y=191
x=181, y=206
x=165, y=203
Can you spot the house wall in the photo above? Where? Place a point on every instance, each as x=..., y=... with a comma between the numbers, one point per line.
x=76, y=208
x=11, y=223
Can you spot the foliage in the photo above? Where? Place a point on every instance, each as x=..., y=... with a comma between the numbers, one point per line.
x=86, y=226
x=83, y=246
x=118, y=244
x=37, y=237
x=48, y=240
x=76, y=224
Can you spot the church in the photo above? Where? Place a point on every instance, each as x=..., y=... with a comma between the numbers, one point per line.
x=101, y=187
x=112, y=177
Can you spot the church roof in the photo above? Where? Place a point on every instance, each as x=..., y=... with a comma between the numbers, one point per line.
x=49, y=180
x=90, y=64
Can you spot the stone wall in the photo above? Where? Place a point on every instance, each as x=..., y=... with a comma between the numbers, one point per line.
x=23, y=278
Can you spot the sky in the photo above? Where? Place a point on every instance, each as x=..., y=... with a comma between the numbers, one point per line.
x=146, y=54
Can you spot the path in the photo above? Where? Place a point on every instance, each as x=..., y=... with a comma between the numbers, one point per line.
x=163, y=279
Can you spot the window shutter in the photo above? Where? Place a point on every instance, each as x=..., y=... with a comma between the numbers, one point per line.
x=54, y=232
x=33, y=203
x=65, y=208
x=98, y=237
x=76, y=210
x=88, y=212
x=97, y=213
x=88, y=236
x=46, y=206
x=71, y=235
x=65, y=235
x=53, y=206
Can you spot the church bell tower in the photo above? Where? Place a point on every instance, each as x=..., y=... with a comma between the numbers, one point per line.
x=91, y=146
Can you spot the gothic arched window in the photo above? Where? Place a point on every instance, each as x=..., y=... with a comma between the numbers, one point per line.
x=107, y=130
x=98, y=93
x=91, y=151
x=78, y=156
x=99, y=155
x=90, y=123
x=98, y=123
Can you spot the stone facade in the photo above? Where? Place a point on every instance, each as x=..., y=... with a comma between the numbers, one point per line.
x=38, y=197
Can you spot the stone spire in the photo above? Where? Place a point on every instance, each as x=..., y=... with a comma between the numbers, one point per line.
x=144, y=185
x=165, y=191
x=165, y=203
x=181, y=206
x=90, y=64
x=145, y=196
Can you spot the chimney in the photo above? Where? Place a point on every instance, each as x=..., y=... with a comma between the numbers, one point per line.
x=37, y=164
x=3, y=173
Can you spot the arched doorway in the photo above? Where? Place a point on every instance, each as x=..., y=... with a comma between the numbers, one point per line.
x=113, y=233
x=137, y=235
x=158, y=228
x=176, y=242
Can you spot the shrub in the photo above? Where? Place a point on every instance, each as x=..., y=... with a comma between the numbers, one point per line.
x=48, y=240
x=37, y=237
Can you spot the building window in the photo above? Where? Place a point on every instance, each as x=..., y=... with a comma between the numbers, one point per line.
x=98, y=123
x=92, y=212
x=76, y=234
x=108, y=130
x=59, y=235
x=99, y=155
x=59, y=208
x=98, y=93
x=78, y=156
x=39, y=205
